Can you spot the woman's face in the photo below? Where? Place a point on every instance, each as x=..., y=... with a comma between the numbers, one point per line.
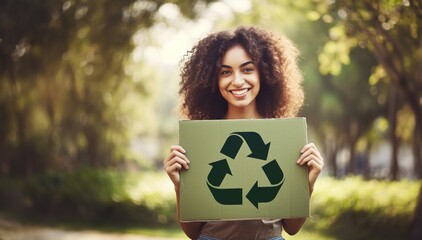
x=238, y=80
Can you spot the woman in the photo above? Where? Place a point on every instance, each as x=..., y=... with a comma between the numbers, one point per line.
x=250, y=73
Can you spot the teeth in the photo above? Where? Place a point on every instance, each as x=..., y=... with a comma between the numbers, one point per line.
x=239, y=92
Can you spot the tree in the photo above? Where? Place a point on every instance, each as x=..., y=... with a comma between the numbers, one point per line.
x=391, y=30
x=62, y=80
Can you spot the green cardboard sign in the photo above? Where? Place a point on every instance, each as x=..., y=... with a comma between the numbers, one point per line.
x=243, y=169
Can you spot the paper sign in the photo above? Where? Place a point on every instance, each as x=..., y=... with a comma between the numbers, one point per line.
x=243, y=169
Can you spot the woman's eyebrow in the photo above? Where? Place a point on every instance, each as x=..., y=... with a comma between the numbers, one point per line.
x=241, y=65
x=246, y=63
x=225, y=66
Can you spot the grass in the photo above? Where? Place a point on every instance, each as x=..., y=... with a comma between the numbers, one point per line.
x=350, y=209
x=346, y=209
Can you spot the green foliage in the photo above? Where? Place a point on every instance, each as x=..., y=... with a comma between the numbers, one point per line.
x=64, y=88
x=353, y=208
x=390, y=31
x=335, y=53
x=93, y=196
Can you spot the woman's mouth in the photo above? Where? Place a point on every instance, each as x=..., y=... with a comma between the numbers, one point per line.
x=240, y=92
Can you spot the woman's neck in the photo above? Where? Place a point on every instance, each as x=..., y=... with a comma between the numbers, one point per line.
x=242, y=113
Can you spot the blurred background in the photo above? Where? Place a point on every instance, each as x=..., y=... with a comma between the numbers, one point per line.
x=89, y=108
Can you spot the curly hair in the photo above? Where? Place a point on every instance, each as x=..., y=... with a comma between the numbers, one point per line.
x=281, y=93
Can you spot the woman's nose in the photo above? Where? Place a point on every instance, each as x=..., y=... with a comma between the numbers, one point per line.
x=238, y=80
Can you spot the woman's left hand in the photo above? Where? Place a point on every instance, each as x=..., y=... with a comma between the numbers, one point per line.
x=311, y=157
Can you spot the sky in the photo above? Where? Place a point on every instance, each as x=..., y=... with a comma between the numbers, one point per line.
x=173, y=36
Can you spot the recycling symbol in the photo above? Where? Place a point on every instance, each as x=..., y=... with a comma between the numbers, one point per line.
x=220, y=168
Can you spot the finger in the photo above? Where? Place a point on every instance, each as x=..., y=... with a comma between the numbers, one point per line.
x=180, y=155
x=312, y=150
x=177, y=160
x=177, y=148
x=176, y=153
x=306, y=158
x=174, y=167
x=309, y=152
x=315, y=165
x=307, y=146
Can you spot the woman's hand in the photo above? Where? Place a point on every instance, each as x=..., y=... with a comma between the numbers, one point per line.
x=174, y=163
x=311, y=157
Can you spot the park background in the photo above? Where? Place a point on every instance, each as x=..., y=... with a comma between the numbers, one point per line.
x=89, y=97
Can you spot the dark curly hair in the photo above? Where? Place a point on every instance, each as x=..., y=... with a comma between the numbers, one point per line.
x=281, y=92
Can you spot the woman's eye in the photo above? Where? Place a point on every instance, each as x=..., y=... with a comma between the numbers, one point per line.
x=248, y=70
x=224, y=73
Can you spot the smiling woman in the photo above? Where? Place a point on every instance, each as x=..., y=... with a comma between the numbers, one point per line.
x=249, y=73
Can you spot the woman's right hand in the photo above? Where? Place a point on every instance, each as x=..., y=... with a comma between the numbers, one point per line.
x=174, y=163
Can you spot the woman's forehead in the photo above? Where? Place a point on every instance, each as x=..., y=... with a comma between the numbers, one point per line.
x=236, y=54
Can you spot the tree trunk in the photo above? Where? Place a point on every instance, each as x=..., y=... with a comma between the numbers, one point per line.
x=20, y=165
x=392, y=119
x=417, y=152
x=331, y=152
x=353, y=138
x=367, y=163
x=352, y=158
x=333, y=160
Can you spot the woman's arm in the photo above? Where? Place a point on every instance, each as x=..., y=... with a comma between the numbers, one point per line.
x=311, y=157
x=173, y=164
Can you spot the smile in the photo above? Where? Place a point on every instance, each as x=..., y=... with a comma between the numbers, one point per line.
x=239, y=92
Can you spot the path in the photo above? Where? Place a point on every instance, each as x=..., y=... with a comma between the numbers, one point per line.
x=56, y=234
x=14, y=231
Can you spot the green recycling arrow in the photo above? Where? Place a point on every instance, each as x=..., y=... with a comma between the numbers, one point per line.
x=262, y=194
x=266, y=194
x=273, y=172
x=231, y=146
x=216, y=177
x=218, y=172
x=226, y=196
x=257, y=146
